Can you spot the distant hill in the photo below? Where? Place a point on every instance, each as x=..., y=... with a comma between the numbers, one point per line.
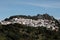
x=16, y=31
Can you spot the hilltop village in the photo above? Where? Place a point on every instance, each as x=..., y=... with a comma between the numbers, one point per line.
x=34, y=23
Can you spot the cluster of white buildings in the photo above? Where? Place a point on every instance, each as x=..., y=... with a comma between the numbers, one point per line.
x=35, y=23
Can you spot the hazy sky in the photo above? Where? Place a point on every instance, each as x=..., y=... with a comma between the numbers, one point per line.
x=29, y=7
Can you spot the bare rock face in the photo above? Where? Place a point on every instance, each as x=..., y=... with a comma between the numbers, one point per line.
x=59, y=20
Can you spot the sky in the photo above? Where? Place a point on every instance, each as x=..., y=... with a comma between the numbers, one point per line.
x=29, y=7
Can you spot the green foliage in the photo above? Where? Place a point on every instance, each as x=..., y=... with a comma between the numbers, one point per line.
x=23, y=32
x=2, y=37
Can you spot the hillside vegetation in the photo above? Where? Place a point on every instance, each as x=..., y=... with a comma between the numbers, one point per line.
x=23, y=32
